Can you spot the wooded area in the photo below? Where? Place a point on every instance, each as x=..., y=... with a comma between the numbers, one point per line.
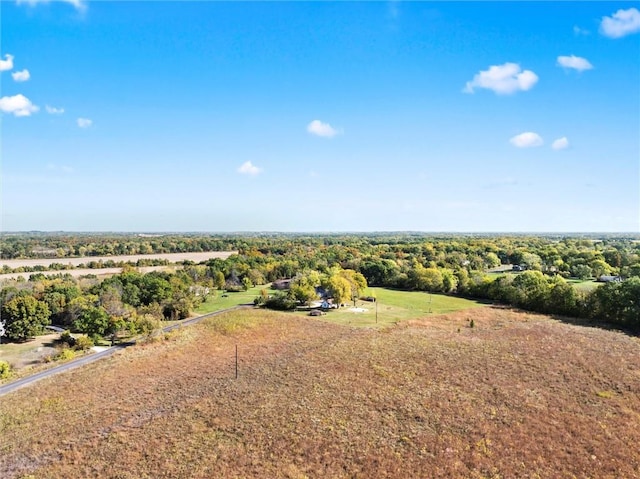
x=342, y=265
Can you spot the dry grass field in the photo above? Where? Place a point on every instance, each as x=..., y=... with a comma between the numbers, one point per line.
x=517, y=396
x=171, y=257
x=77, y=273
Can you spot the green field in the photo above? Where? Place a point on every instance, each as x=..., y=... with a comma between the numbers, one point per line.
x=219, y=301
x=583, y=284
x=393, y=306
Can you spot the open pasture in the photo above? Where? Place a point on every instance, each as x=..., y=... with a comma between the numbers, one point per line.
x=394, y=306
x=518, y=395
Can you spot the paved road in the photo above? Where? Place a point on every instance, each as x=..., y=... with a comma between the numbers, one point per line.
x=76, y=363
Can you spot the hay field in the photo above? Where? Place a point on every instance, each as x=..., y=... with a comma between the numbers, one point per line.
x=170, y=257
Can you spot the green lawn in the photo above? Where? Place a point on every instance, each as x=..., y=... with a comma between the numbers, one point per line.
x=394, y=306
x=583, y=284
x=218, y=301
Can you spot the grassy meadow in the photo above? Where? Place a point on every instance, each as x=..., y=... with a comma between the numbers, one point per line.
x=584, y=284
x=393, y=306
x=220, y=300
x=518, y=395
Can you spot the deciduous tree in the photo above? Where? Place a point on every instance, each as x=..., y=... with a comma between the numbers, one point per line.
x=24, y=317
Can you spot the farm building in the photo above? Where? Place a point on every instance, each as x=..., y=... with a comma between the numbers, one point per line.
x=608, y=279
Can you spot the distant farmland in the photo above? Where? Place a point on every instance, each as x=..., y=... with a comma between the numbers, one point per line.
x=170, y=257
x=46, y=262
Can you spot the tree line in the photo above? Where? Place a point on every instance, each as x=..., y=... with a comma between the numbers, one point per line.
x=129, y=302
x=459, y=264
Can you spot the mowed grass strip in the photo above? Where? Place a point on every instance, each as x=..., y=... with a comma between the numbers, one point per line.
x=518, y=395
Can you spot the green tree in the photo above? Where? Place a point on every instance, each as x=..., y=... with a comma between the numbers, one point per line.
x=303, y=288
x=532, y=261
x=379, y=272
x=78, y=305
x=345, y=284
x=218, y=280
x=563, y=298
x=154, y=288
x=599, y=267
x=617, y=303
x=491, y=260
x=449, y=281
x=532, y=290
x=340, y=288
x=24, y=317
x=582, y=271
x=95, y=321
x=462, y=280
x=425, y=279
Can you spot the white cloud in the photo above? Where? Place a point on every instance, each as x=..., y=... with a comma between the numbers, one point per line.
x=84, y=122
x=18, y=105
x=63, y=168
x=580, y=31
x=503, y=79
x=316, y=127
x=560, y=143
x=621, y=23
x=53, y=110
x=21, y=76
x=577, y=63
x=526, y=140
x=248, y=168
x=6, y=64
x=79, y=4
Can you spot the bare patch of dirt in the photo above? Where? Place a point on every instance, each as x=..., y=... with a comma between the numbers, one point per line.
x=21, y=355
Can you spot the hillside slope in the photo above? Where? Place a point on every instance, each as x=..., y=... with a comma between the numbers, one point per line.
x=517, y=395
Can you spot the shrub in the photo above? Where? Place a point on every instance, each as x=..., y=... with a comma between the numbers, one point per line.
x=83, y=343
x=280, y=302
x=5, y=370
x=67, y=339
x=146, y=324
x=65, y=354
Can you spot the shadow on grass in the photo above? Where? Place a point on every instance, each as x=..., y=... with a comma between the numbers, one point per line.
x=593, y=323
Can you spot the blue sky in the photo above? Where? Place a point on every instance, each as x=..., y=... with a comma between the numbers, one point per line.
x=320, y=116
